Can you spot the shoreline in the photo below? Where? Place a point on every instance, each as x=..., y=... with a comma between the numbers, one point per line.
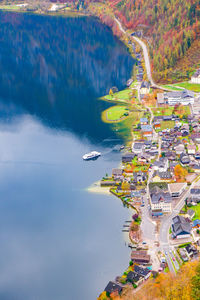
x=96, y=187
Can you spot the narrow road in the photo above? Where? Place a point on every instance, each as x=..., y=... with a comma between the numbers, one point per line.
x=146, y=57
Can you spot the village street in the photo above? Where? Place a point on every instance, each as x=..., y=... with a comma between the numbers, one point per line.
x=157, y=237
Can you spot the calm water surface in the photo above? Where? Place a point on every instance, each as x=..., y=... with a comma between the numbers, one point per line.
x=57, y=241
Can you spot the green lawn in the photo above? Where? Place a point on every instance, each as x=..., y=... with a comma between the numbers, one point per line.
x=115, y=113
x=163, y=111
x=10, y=7
x=171, y=87
x=166, y=125
x=197, y=211
x=189, y=86
x=168, y=111
x=122, y=95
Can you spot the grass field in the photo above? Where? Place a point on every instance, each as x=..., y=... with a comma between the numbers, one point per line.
x=122, y=95
x=171, y=87
x=189, y=86
x=168, y=111
x=10, y=7
x=166, y=125
x=115, y=113
x=163, y=111
x=197, y=211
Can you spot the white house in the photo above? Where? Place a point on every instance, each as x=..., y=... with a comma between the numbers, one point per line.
x=184, y=97
x=196, y=77
x=137, y=147
x=160, y=201
x=176, y=189
x=191, y=149
x=145, y=88
x=161, y=165
x=179, y=149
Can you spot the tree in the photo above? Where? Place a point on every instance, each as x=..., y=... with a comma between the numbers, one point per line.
x=125, y=186
x=111, y=92
x=180, y=173
x=196, y=284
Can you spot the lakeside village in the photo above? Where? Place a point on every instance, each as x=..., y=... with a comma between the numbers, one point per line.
x=159, y=177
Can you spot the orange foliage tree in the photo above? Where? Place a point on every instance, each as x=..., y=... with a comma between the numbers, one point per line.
x=180, y=173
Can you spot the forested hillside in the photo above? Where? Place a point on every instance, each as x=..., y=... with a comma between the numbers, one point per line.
x=170, y=27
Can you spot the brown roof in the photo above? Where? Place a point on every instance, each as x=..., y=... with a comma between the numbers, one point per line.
x=140, y=256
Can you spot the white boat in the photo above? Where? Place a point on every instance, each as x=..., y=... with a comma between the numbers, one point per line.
x=91, y=155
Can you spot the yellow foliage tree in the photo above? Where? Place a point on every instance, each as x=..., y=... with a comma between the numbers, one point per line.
x=125, y=186
x=180, y=173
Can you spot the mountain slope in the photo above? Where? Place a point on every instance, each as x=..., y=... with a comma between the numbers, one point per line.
x=169, y=26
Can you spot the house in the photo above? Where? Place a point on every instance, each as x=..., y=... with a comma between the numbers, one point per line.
x=196, y=77
x=197, y=155
x=145, y=158
x=107, y=183
x=137, y=147
x=184, y=159
x=113, y=287
x=179, y=149
x=140, y=257
x=176, y=189
x=144, y=272
x=117, y=173
x=167, y=118
x=191, y=250
x=170, y=155
x=143, y=121
x=157, y=124
x=181, y=228
x=147, y=130
x=190, y=214
x=160, y=200
x=129, y=82
x=147, y=144
x=196, y=224
x=195, y=195
x=160, y=99
x=145, y=88
x=128, y=157
x=191, y=149
x=184, y=97
x=162, y=176
x=134, y=277
x=161, y=165
x=196, y=137
x=185, y=133
x=183, y=254
x=139, y=176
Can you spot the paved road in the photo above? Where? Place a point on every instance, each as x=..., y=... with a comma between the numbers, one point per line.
x=146, y=57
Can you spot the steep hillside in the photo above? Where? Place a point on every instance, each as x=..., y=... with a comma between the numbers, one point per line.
x=184, y=286
x=170, y=27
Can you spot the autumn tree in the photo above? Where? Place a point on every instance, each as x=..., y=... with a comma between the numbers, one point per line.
x=125, y=186
x=180, y=173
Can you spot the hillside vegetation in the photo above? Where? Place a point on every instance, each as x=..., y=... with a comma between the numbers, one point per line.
x=184, y=286
x=170, y=27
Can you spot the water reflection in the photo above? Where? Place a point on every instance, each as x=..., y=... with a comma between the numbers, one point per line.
x=56, y=240
x=55, y=68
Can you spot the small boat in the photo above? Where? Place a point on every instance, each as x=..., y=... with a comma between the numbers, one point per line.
x=91, y=155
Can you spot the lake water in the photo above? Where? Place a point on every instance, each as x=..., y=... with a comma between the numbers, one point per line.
x=57, y=241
